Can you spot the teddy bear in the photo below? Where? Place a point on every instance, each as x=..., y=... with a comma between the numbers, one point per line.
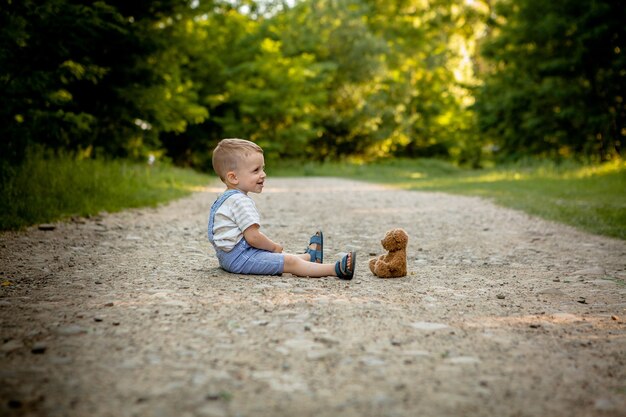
x=393, y=264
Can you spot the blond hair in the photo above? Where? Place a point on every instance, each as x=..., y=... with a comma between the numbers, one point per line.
x=229, y=152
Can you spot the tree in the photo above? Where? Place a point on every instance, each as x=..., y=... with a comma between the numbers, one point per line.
x=91, y=75
x=557, y=79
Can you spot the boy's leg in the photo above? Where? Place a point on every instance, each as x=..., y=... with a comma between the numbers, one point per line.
x=250, y=260
x=296, y=265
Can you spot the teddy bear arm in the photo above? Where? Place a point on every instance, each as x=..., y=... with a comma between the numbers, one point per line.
x=384, y=268
x=392, y=266
x=374, y=262
x=373, y=265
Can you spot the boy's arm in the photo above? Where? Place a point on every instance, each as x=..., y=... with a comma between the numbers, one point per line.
x=255, y=238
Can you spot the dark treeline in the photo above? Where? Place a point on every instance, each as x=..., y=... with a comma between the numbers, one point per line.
x=319, y=79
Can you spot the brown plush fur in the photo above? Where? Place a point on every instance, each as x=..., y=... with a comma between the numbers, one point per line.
x=393, y=264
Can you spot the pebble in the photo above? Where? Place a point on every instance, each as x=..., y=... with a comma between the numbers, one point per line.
x=551, y=291
x=320, y=354
x=604, y=404
x=372, y=361
x=131, y=363
x=175, y=303
x=463, y=360
x=60, y=360
x=268, y=307
x=590, y=271
x=416, y=353
x=318, y=330
x=281, y=382
x=14, y=404
x=211, y=410
x=327, y=340
x=39, y=348
x=11, y=345
x=71, y=330
x=216, y=395
x=283, y=350
x=565, y=317
x=424, y=325
x=300, y=344
x=602, y=282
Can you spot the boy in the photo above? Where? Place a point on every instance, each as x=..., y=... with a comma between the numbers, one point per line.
x=234, y=222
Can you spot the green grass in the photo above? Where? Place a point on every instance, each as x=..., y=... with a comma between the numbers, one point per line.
x=43, y=190
x=590, y=197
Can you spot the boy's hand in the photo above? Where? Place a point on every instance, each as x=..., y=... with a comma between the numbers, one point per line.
x=256, y=239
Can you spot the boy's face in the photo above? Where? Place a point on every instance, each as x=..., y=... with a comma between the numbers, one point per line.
x=250, y=174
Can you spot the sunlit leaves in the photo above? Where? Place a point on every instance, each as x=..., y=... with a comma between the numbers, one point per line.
x=316, y=79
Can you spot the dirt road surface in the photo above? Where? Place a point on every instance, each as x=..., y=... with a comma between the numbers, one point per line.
x=128, y=314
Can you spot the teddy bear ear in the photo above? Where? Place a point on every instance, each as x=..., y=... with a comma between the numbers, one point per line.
x=401, y=236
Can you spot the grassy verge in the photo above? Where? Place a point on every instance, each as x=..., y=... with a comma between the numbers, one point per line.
x=592, y=198
x=47, y=189
x=41, y=190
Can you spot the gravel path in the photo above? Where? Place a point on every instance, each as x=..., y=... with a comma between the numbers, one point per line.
x=128, y=314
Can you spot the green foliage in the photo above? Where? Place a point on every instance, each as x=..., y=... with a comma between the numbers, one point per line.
x=321, y=79
x=557, y=80
x=327, y=79
x=589, y=197
x=90, y=75
x=45, y=188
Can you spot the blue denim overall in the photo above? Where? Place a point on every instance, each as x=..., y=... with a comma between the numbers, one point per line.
x=243, y=258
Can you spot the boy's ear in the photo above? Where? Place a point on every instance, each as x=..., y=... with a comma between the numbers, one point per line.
x=231, y=177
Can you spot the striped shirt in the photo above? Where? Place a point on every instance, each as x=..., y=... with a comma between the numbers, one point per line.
x=234, y=216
